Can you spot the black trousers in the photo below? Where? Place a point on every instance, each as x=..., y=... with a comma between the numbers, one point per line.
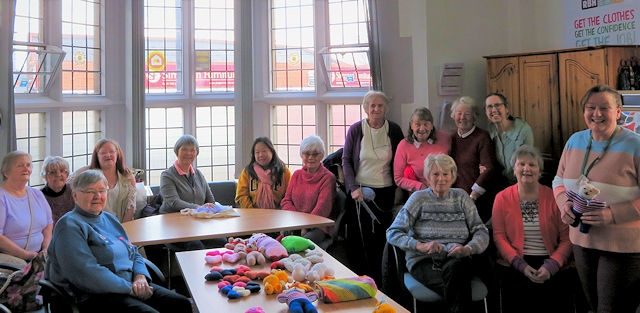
x=162, y=300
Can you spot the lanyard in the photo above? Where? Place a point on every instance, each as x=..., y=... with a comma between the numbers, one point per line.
x=598, y=158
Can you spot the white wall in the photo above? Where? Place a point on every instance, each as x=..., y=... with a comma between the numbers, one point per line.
x=444, y=31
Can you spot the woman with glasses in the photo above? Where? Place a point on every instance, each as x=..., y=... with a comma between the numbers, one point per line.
x=312, y=188
x=507, y=132
x=108, y=157
x=91, y=257
x=57, y=191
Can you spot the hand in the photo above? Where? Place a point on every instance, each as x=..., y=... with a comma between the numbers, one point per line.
x=483, y=169
x=209, y=205
x=140, y=288
x=459, y=251
x=29, y=255
x=474, y=195
x=541, y=276
x=598, y=217
x=531, y=273
x=357, y=195
x=431, y=247
x=566, y=215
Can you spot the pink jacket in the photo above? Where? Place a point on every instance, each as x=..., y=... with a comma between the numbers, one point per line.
x=508, y=228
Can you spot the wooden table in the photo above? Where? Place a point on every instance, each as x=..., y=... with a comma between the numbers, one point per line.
x=174, y=227
x=209, y=299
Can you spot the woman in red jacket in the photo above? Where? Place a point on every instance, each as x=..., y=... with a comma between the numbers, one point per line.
x=532, y=242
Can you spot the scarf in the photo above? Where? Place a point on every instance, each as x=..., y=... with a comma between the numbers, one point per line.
x=265, y=196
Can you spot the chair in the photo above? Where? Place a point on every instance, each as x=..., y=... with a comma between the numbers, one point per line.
x=422, y=293
x=224, y=191
x=337, y=213
x=57, y=300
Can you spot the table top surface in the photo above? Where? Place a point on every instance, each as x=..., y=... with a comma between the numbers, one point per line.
x=209, y=299
x=174, y=227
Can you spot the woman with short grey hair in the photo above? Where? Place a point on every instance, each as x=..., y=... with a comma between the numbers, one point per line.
x=314, y=186
x=57, y=191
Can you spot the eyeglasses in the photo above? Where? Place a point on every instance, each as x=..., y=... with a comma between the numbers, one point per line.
x=494, y=105
x=311, y=154
x=58, y=172
x=100, y=192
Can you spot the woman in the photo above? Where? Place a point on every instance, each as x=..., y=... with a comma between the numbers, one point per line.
x=439, y=229
x=312, y=188
x=91, y=257
x=263, y=182
x=473, y=152
x=25, y=216
x=367, y=161
x=532, y=242
x=422, y=139
x=108, y=157
x=182, y=185
x=57, y=191
x=608, y=256
x=507, y=132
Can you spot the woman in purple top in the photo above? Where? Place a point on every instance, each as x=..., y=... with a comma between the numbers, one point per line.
x=25, y=216
x=57, y=191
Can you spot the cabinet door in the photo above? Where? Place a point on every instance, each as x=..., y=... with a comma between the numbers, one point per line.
x=578, y=71
x=539, y=100
x=502, y=77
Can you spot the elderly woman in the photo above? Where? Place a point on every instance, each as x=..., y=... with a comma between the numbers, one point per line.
x=183, y=186
x=312, y=188
x=108, y=157
x=532, y=242
x=507, y=132
x=25, y=215
x=473, y=151
x=367, y=161
x=606, y=155
x=422, y=139
x=57, y=191
x=90, y=256
x=439, y=229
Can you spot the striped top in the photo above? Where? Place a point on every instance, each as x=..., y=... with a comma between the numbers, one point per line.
x=617, y=177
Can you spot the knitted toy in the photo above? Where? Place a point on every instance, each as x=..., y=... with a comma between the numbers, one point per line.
x=215, y=257
x=295, y=244
x=272, y=249
x=299, y=301
x=319, y=271
x=584, y=201
x=240, y=254
x=255, y=258
x=383, y=307
x=346, y=289
x=255, y=309
x=275, y=282
x=232, y=242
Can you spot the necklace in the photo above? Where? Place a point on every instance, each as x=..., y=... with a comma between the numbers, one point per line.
x=599, y=157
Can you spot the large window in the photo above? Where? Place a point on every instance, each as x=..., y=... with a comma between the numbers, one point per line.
x=308, y=97
x=81, y=131
x=31, y=137
x=193, y=64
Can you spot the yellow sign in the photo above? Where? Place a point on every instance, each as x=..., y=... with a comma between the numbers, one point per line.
x=156, y=61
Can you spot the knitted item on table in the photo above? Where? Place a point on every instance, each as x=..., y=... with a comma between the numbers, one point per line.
x=346, y=289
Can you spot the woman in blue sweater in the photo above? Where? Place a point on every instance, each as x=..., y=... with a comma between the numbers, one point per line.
x=91, y=257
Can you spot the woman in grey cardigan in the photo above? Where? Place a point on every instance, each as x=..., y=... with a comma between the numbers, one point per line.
x=183, y=186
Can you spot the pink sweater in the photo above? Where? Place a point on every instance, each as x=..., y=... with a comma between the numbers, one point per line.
x=311, y=192
x=407, y=154
x=508, y=228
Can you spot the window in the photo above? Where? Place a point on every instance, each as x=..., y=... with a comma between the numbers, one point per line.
x=31, y=138
x=164, y=127
x=81, y=69
x=28, y=21
x=80, y=133
x=300, y=99
x=215, y=130
x=163, y=46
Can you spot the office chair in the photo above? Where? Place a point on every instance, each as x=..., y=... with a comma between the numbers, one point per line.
x=57, y=300
x=337, y=213
x=422, y=293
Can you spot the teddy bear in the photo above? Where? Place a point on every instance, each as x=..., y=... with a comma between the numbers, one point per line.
x=239, y=254
x=275, y=282
x=299, y=301
x=271, y=248
x=583, y=201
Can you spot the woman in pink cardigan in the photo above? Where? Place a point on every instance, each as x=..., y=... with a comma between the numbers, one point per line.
x=532, y=242
x=312, y=188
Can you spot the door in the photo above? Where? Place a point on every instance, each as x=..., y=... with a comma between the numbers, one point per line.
x=502, y=77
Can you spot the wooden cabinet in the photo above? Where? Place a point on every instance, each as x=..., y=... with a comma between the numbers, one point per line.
x=545, y=89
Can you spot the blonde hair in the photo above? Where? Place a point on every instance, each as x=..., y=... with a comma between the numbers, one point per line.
x=443, y=162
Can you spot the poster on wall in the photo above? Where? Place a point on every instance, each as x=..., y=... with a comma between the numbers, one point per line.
x=602, y=22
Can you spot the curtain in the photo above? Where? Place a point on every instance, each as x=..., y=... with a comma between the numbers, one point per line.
x=7, y=109
x=374, y=50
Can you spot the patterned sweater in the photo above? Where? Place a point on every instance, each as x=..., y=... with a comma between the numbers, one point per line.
x=617, y=175
x=425, y=217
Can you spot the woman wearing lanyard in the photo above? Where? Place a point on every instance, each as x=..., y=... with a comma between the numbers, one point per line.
x=608, y=156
